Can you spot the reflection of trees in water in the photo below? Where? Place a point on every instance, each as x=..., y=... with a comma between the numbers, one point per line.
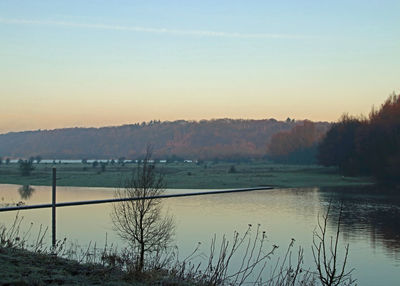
x=26, y=192
x=368, y=211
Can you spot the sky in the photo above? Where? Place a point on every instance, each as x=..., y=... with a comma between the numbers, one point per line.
x=101, y=63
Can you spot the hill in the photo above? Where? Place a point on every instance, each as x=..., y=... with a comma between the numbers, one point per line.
x=205, y=139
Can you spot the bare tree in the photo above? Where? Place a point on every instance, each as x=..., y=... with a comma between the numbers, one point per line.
x=140, y=222
x=331, y=272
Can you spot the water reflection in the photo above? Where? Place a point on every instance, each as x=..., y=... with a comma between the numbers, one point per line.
x=26, y=192
x=371, y=213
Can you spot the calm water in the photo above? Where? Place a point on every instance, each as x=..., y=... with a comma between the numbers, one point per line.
x=371, y=220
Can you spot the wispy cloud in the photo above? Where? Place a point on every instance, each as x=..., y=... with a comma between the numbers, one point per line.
x=139, y=29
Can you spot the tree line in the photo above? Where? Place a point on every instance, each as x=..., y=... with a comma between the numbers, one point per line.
x=217, y=139
x=368, y=146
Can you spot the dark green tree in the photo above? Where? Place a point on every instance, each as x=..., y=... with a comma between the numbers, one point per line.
x=232, y=169
x=26, y=167
x=121, y=160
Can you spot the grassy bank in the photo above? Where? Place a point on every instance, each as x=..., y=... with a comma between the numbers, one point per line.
x=21, y=267
x=186, y=175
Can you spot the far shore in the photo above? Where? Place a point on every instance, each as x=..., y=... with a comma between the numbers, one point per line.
x=179, y=175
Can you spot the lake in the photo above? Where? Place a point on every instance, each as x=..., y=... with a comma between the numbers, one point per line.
x=370, y=221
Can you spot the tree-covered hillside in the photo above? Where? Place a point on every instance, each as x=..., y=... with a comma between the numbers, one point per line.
x=205, y=139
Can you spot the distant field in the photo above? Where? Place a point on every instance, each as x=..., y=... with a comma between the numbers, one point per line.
x=186, y=175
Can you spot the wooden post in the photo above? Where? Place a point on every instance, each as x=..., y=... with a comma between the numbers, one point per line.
x=53, y=211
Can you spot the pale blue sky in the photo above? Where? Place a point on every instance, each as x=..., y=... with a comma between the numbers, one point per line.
x=94, y=63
